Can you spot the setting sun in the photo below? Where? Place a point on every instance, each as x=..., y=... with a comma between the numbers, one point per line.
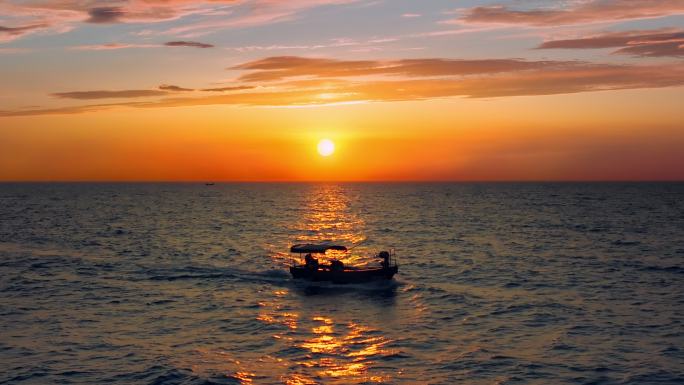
x=326, y=147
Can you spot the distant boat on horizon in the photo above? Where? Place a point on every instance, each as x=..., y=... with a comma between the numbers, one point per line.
x=209, y=184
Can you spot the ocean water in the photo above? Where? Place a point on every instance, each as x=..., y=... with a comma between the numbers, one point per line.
x=187, y=284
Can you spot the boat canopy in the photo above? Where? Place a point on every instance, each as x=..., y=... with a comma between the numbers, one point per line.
x=315, y=248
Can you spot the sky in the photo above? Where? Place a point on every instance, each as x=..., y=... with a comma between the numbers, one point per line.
x=421, y=90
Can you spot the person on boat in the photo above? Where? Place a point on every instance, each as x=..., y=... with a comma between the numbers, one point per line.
x=385, y=259
x=311, y=262
x=336, y=265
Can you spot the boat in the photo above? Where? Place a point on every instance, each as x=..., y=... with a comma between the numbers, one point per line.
x=336, y=271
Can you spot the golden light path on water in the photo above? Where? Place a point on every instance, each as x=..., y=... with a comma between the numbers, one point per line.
x=337, y=356
x=327, y=216
x=334, y=356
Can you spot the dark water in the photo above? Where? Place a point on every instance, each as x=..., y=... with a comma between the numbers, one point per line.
x=186, y=284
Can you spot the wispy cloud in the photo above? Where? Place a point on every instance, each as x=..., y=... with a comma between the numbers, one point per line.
x=117, y=46
x=63, y=15
x=11, y=33
x=102, y=15
x=652, y=43
x=590, y=11
x=329, y=81
x=112, y=46
x=193, y=44
x=283, y=67
x=332, y=43
x=253, y=13
x=173, y=88
x=232, y=88
x=100, y=94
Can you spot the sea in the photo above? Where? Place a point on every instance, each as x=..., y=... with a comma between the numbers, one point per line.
x=187, y=283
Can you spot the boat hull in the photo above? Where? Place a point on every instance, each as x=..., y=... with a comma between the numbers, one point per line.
x=344, y=276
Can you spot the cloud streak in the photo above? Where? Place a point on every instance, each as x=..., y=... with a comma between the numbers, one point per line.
x=392, y=81
x=232, y=88
x=655, y=43
x=104, y=15
x=173, y=88
x=254, y=13
x=112, y=46
x=282, y=67
x=14, y=31
x=11, y=33
x=100, y=94
x=592, y=11
x=192, y=44
x=212, y=15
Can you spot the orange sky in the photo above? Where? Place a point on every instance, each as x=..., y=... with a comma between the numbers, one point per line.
x=426, y=92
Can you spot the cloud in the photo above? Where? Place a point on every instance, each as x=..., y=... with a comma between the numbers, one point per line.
x=410, y=15
x=253, y=13
x=170, y=87
x=283, y=67
x=102, y=15
x=671, y=48
x=396, y=80
x=654, y=43
x=88, y=95
x=362, y=44
x=11, y=33
x=211, y=15
x=233, y=88
x=188, y=44
x=14, y=31
x=590, y=11
x=112, y=46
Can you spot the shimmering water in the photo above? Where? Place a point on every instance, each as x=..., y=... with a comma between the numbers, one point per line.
x=187, y=284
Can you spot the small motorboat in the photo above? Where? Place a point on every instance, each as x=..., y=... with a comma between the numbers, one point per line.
x=336, y=271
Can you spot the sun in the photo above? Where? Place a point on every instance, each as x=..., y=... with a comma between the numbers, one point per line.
x=326, y=147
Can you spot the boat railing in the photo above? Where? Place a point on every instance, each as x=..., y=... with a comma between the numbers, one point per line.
x=392, y=258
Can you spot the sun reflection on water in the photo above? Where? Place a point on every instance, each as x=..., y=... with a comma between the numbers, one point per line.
x=344, y=356
x=329, y=215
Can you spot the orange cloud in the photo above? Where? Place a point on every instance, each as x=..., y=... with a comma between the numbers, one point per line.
x=591, y=11
x=637, y=43
x=414, y=79
x=282, y=67
x=171, y=87
x=87, y=95
x=233, y=88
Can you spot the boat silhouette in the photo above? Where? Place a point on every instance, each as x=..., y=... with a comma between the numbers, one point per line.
x=336, y=271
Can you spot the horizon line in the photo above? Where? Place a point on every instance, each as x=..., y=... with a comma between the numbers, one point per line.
x=397, y=181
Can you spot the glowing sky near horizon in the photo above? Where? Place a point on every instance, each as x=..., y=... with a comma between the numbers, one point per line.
x=244, y=90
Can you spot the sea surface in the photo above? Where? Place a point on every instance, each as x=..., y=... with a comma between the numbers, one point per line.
x=527, y=283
